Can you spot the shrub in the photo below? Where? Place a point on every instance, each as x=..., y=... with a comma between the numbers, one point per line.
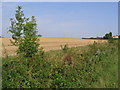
x=97, y=69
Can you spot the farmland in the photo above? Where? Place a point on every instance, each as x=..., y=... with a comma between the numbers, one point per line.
x=48, y=44
x=32, y=61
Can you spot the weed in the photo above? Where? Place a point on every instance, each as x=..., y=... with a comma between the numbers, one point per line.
x=65, y=48
x=95, y=66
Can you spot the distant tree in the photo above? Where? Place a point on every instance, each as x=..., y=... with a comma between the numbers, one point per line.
x=108, y=35
x=24, y=34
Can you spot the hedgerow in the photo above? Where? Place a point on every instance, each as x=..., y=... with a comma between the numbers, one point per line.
x=92, y=66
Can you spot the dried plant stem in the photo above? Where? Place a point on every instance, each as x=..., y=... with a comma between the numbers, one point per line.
x=5, y=51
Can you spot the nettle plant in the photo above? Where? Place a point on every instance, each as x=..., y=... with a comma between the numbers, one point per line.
x=24, y=34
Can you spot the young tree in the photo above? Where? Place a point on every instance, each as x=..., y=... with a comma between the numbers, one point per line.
x=24, y=34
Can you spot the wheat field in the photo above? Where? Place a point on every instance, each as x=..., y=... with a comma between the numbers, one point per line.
x=47, y=43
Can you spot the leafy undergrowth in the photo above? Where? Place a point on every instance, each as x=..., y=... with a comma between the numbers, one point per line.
x=92, y=66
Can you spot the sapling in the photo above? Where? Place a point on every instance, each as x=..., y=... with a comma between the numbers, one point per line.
x=24, y=34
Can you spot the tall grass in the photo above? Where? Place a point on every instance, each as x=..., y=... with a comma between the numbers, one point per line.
x=92, y=66
x=5, y=54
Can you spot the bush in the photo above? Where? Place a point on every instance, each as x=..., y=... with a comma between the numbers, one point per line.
x=95, y=66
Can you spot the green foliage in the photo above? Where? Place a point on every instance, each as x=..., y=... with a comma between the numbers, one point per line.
x=111, y=40
x=24, y=34
x=108, y=36
x=65, y=48
x=94, y=66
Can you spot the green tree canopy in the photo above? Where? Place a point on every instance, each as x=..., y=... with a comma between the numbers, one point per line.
x=108, y=35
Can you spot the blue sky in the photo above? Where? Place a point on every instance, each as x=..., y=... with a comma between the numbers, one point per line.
x=67, y=19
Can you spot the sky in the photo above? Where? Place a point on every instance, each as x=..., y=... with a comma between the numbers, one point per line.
x=66, y=19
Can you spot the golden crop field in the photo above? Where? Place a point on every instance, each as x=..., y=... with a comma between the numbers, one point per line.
x=47, y=44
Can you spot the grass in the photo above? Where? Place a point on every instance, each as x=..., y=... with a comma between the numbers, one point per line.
x=93, y=66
